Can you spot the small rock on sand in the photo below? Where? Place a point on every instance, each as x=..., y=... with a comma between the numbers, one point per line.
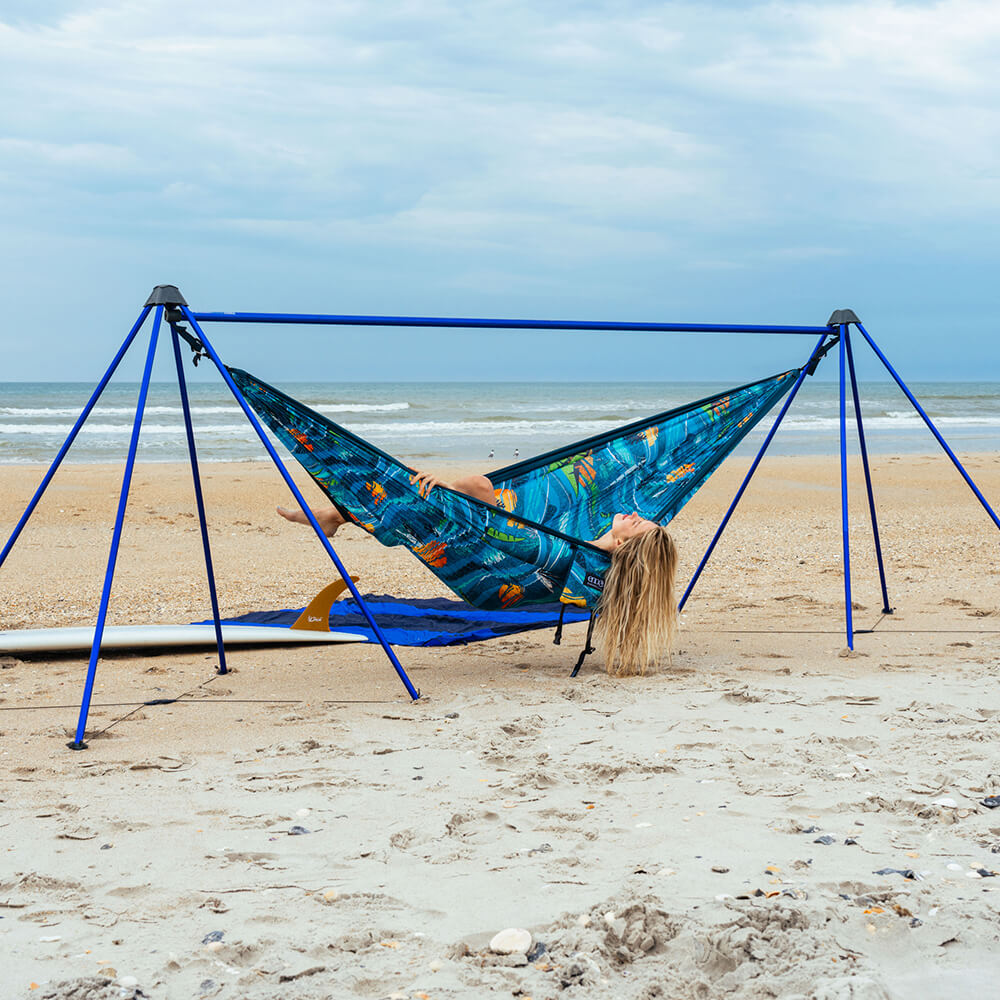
x=513, y=940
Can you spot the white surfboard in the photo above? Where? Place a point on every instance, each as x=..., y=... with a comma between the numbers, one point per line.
x=147, y=636
x=311, y=626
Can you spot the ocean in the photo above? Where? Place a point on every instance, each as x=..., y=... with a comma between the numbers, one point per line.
x=483, y=424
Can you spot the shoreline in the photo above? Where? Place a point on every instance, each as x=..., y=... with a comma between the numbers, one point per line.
x=877, y=451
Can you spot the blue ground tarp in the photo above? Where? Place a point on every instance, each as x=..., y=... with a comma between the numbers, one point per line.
x=435, y=621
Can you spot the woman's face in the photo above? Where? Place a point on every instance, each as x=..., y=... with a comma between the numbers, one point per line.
x=626, y=526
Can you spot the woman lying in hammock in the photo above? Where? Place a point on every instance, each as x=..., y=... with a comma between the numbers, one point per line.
x=637, y=617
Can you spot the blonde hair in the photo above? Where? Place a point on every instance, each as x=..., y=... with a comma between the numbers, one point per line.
x=637, y=616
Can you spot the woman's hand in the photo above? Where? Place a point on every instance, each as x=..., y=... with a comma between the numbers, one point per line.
x=426, y=482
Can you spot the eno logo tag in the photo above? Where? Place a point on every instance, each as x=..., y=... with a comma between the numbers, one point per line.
x=597, y=582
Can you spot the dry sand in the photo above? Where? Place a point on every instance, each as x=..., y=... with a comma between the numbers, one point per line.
x=767, y=817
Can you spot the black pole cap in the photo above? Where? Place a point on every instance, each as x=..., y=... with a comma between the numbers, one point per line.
x=842, y=316
x=166, y=295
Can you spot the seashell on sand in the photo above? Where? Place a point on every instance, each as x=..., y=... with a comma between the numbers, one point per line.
x=511, y=941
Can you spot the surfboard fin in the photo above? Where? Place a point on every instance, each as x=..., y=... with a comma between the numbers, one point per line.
x=315, y=616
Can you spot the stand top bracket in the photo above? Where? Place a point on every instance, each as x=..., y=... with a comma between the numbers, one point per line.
x=166, y=295
x=840, y=317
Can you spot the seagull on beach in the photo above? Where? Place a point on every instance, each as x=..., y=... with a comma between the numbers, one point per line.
x=491, y=453
x=517, y=453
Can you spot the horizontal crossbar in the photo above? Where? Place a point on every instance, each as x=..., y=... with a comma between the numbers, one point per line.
x=318, y=319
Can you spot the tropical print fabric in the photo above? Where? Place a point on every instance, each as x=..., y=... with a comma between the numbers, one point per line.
x=653, y=466
x=488, y=557
x=534, y=546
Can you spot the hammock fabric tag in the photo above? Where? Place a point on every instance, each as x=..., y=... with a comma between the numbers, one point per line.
x=591, y=580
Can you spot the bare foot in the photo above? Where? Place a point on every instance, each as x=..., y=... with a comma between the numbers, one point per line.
x=328, y=517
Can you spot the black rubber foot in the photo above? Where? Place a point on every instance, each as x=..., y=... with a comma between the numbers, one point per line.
x=77, y=746
x=888, y=611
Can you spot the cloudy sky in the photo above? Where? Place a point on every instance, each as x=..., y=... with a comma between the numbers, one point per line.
x=710, y=162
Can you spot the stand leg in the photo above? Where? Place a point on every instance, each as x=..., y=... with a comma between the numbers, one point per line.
x=199, y=499
x=413, y=693
x=886, y=610
x=92, y=402
x=102, y=614
x=749, y=475
x=927, y=420
x=843, y=488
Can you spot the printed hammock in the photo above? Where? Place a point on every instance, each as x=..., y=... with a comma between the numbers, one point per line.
x=534, y=546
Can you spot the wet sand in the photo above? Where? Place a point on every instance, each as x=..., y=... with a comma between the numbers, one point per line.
x=769, y=815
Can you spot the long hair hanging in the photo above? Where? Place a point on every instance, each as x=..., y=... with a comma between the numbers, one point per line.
x=637, y=618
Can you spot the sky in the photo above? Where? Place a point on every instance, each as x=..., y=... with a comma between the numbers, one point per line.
x=710, y=162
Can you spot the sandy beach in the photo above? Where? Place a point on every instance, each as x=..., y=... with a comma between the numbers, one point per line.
x=770, y=815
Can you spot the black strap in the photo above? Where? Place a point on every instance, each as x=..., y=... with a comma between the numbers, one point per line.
x=557, y=638
x=822, y=353
x=175, y=317
x=588, y=648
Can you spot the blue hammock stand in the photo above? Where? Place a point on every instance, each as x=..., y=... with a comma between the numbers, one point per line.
x=166, y=302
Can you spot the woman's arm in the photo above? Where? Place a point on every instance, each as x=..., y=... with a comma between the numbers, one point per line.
x=478, y=487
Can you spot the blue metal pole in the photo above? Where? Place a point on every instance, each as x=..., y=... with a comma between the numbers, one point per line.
x=843, y=486
x=300, y=499
x=91, y=403
x=886, y=610
x=927, y=420
x=324, y=319
x=102, y=614
x=199, y=499
x=753, y=469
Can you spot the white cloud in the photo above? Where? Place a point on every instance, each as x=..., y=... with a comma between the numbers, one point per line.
x=895, y=102
x=658, y=139
x=74, y=156
x=664, y=111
